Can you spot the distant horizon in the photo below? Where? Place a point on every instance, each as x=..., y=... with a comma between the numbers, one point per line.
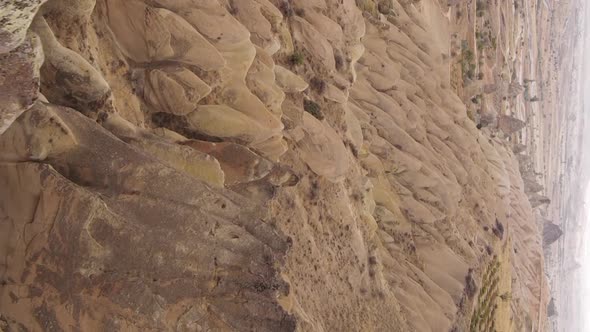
x=584, y=276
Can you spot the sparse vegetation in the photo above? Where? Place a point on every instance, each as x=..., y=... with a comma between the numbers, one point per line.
x=313, y=108
x=485, y=39
x=481, y=6
x=286, y=9
x=317, y=84
x=296, y=58
x=482, y=318
x=467, y=62
x=367, y=6
x=470, y=286
x=498, y=230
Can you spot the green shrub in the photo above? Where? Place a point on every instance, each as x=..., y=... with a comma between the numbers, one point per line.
x=313, y=108
x=296, y=58
x=468, y=55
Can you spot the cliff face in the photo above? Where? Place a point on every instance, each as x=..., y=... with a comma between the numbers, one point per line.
x=249, y=165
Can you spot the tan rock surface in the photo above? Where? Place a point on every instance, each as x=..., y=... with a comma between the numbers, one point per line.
x=288, y=81
x=16, y=17
x=174, y=90
x=74, y=82
x=162, y=35
x=133, y=240
x=19, y=79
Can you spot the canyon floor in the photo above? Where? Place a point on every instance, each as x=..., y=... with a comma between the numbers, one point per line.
x=277, y=165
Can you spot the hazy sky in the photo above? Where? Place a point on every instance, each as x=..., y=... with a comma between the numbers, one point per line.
x=585, y=291
x=585, y=270
x=585, y=285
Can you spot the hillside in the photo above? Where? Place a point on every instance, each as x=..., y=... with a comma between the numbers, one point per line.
x=274, y=165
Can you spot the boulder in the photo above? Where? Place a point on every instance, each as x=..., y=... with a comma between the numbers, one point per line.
x=16, y=17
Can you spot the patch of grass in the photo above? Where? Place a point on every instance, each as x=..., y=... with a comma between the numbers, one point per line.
x=467, y=63
x=482, y=318
x=313, y=108
x=296, y=58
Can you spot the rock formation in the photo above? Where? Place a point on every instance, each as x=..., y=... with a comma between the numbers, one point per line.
x=551, y=310
x=518, y=148
x=551, y=233
x=19, y=85
x=514, y=89
x=251, y=165
x=509, y=125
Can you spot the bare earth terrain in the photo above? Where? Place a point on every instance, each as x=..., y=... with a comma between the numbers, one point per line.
x=278, y=165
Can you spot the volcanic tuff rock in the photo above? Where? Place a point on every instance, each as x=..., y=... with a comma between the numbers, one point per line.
x=551, y=233
x=16, y=16
x=19, y=79
x=167, y=175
